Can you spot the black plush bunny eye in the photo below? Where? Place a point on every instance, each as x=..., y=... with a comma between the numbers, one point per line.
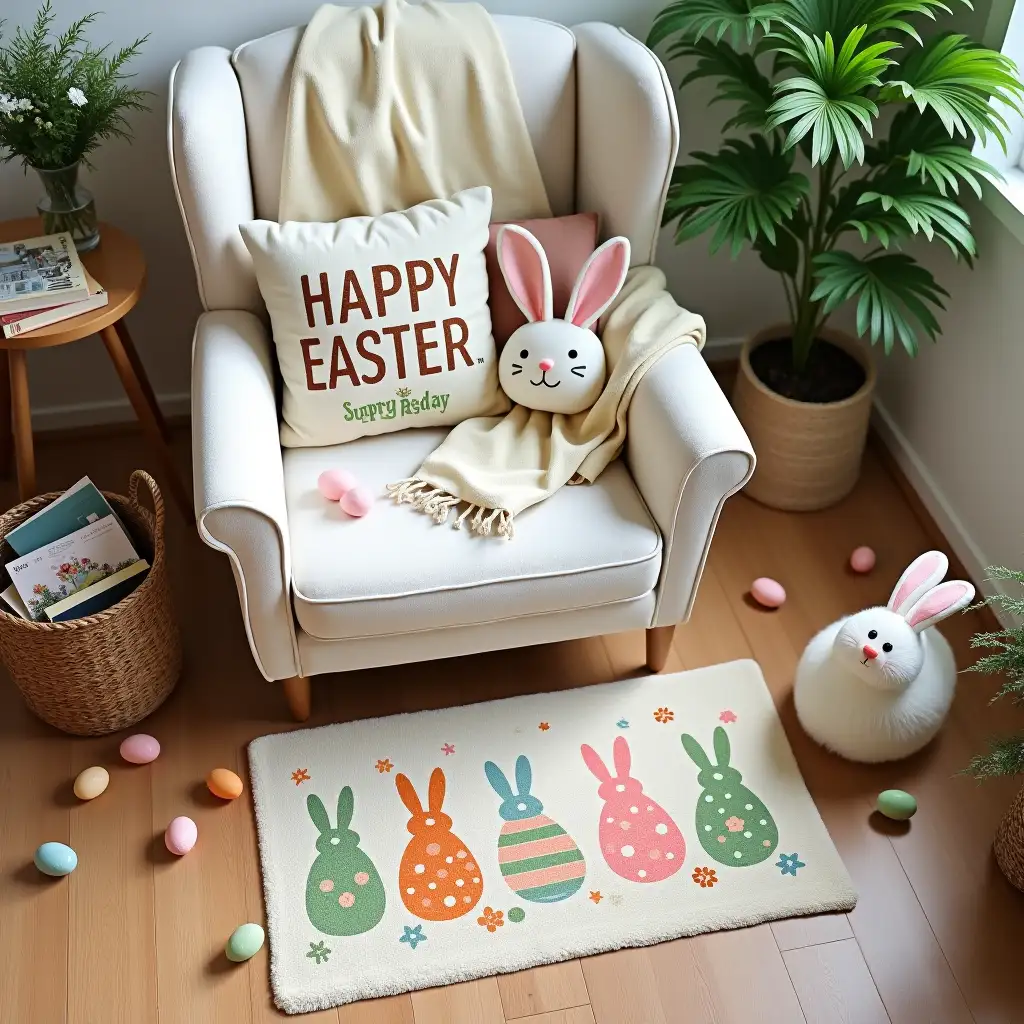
x=573, y=353
x=887, y=648
x=524, y=354
x=872, y=634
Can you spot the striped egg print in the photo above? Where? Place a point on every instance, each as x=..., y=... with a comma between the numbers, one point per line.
x=539, y=860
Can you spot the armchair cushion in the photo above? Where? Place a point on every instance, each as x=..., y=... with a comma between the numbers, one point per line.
x=392, y=572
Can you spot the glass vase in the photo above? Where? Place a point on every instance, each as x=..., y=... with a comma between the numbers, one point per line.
x=67, y=207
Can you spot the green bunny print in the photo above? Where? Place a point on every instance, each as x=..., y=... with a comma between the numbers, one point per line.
x=733, y=825
x=344, y=892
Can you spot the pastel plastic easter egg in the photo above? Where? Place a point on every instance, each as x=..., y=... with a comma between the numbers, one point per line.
x=56, y=859
x=181, y=836
x=862, y=560
x=224, y=783
x=334, y=484
x=245, y=942
x=140, y=748
x=357, y=502
x=896, y=804
x=91, y=783
x=767, y=592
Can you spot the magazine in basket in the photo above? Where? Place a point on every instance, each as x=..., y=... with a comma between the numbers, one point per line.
x=36, y=273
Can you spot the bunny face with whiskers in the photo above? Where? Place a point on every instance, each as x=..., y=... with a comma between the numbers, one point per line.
x=555, y=365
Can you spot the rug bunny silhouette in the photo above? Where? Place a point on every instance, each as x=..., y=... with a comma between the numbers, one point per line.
x=733, y=825
x=639, y=839
x=438, y=878
x=344, y=892
x=539, y=860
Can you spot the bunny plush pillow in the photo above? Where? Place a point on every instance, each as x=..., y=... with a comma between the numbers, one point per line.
x=548, y=364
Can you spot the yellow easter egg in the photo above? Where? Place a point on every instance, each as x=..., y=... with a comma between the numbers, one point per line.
x=91, y=783
x=224, y=783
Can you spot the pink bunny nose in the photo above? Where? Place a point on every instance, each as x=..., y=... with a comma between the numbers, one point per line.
x=870, y=652
x=546, y=364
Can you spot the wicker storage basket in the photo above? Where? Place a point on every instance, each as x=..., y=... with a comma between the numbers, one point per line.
x=95, y=675
x=1009, y=842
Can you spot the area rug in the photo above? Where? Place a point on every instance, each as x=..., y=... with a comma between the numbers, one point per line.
x=423, y=849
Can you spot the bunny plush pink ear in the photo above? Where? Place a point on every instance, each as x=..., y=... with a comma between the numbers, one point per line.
x=599, y=282
x=926, y=571
x=939, y=604
x=524, y=265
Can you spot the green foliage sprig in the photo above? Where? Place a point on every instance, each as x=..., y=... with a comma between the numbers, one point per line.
x=815, y=76
x=1005, y=755
x=61, y=97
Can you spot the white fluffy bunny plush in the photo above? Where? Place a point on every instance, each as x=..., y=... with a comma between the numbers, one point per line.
x=556, y=365
x=877, y=686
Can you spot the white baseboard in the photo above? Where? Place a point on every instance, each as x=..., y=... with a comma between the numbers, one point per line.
x=88, y=414
x=938, y=506
x=722, y=349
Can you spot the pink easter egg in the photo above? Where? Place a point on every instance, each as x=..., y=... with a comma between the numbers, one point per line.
x=181, y=836
x=767, y=592
x=357, y=502
x=334, y=484
x=862, y=560
x=140, y=748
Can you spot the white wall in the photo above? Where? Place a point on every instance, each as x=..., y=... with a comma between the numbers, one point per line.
x=133, y=190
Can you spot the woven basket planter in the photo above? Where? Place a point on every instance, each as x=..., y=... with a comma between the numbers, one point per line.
x=808, y=454
x=95, y=675
x=1009, y=842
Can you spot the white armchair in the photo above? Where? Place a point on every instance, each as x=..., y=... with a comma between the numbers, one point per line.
x=321, y=593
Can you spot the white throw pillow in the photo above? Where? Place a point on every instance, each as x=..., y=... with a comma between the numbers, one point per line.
x=381, y=323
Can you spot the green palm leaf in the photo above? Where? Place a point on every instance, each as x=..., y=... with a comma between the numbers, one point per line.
x=744, y=193
x=956, y=79
x=828, y=98
x=694, y=19
x=841, y=17
x=893, y=291
x=739, y=80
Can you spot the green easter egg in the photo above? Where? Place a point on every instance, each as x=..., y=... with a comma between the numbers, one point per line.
x=517, y=914
x=896, y=804
x=245, y=942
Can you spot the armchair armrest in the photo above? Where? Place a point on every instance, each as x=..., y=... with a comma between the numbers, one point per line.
x=687, y=453
x=628, y=135
x=239, y=478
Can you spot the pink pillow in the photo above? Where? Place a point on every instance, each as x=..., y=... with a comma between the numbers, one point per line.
x=568, y=242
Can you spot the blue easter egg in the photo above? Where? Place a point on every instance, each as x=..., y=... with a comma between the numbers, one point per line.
x=56, y=859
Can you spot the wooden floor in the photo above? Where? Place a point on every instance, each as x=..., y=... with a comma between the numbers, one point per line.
x=132, y=937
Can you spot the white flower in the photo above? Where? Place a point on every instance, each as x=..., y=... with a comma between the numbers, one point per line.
x=77, y=96
x=10, y=105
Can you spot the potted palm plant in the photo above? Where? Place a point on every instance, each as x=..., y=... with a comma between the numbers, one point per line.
x=827, y=204
x=1005, y=755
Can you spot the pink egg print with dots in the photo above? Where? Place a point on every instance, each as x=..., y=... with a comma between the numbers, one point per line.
x=639, y=839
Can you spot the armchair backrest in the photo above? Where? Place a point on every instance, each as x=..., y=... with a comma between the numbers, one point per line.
x=227, y=120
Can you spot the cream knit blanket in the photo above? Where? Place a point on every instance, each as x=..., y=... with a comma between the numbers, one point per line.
x=397, y=104
x=393, y=105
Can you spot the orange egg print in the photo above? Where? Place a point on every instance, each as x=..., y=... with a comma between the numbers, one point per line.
x=439, y=879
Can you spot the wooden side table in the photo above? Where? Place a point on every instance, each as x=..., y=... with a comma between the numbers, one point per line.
x=118, y=264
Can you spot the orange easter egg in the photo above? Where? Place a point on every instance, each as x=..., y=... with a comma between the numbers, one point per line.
x=224, y=783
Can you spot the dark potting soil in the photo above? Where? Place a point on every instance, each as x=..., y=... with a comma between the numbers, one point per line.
x=831, y=374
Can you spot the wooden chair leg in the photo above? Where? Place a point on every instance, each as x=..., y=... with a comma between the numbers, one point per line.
x=659, y=644
x=297, y=691
x=6, y=428
x=22, y=423
x=136, y=384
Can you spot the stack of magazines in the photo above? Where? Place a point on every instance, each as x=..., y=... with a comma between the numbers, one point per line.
x=75, y=558
x=42, y=281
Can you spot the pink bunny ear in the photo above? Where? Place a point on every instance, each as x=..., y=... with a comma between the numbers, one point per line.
x=524, y=265
x=594, y=763
x=923, y=573
x=599, y=282
x=623, y=759
x=939, y=604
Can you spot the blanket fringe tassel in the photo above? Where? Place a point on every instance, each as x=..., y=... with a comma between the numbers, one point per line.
x=439, y=505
